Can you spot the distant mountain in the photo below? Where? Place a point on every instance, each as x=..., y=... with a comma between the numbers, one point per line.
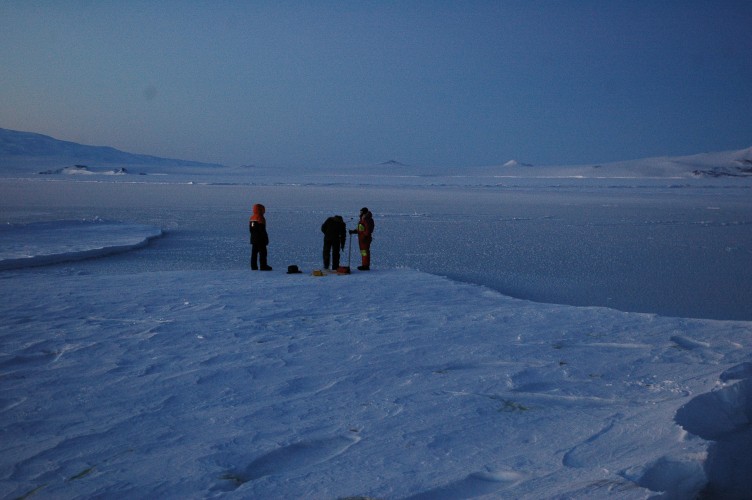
x=737, y=163
x=392, y=163
x=515, y=163
x=19, y=145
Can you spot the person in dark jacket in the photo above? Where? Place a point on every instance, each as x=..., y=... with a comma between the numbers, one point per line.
x=259, y=238
x=364, y=232
x=335, y=236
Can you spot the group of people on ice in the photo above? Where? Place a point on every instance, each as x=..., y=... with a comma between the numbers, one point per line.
x=335, y=236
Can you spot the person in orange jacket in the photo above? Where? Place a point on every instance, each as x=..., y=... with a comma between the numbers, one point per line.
x=364, y=232
x=259, y=238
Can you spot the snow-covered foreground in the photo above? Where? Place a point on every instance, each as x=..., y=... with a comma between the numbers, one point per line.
x=389, y=384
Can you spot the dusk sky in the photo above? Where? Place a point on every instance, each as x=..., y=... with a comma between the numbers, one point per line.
x=426, y=83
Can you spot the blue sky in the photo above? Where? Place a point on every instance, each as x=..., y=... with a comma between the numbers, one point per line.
x=429, y=83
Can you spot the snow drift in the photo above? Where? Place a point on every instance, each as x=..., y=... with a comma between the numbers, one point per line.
x=41, y=243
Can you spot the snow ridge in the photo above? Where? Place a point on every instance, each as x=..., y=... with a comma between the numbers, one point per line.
x=42, y=243
x=724, y=417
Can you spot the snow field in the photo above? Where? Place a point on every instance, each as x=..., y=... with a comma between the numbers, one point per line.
x=393, y=384
x=173, y=371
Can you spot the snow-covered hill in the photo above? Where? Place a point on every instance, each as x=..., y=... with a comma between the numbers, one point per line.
x=27, y=148
x=84, y=170
x=737, y=163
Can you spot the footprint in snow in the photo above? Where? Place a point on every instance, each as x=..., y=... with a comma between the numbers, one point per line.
x=289, y=458
x=589, y=452
x=472, y=486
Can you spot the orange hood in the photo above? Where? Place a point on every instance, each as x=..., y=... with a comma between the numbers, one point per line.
x=258, y=213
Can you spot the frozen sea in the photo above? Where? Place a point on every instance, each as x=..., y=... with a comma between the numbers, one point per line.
x=674, y=250
x=516, y=338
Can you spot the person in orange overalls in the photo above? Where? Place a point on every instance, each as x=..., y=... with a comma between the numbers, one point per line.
x=364, y=232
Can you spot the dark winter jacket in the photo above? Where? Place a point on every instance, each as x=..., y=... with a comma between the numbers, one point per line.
x=335, y=230
x=257, y=226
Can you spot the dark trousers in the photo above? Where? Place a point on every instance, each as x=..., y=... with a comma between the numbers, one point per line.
x=258, y=256
x=331, y=248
